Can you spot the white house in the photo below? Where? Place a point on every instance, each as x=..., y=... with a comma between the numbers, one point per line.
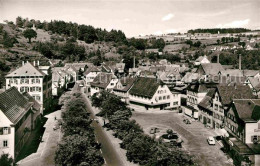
x=122, y=88
x=29, y=78
x=150, y=94
x=89, y=76
x=18, y=117
x=200, y=60
x=103, y=81
x=195, y=93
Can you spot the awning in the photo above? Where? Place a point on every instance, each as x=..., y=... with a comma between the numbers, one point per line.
x=222, y=132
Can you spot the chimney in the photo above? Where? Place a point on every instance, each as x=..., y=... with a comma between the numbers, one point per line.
x=33, y=63
x=38, y=63
x=23, y=63
x=239, y=62
x=218, y=59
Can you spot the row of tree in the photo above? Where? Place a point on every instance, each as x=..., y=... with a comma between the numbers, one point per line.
x=140, y=148
x=78, y=145
x=219, y=30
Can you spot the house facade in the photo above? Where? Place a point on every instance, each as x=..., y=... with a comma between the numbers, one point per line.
x=103, y=81
x=29, y=78
x=148, y=93
x=18, y=119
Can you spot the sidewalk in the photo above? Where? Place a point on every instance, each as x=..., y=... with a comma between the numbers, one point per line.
x=115, y=141
x=46, y=150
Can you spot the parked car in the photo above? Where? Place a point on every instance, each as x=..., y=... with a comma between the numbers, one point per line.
x=211, y=140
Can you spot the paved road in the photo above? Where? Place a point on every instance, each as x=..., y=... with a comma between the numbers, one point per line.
x=108, y=151
x=194, y=136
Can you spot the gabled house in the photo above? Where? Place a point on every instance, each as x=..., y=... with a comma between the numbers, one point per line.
x=89, y=76
x=19, y=115
x=123, y=86
x=251, y=73
x=195, y=93
x=150, y=94
x=254, y=85
x=223, y=98
x=29, y=78
x=205, y=108
x=209, y=69
x=200, y=60
x=103, y=81
x=243, y=123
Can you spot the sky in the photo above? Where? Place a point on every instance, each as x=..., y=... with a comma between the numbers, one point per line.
x=140, y=17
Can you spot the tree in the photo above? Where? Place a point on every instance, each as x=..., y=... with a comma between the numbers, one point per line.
x=19, y=22
x=189, y=42
x=78, y=150
x=29, y=33
x=5, y=160
x=218, y=41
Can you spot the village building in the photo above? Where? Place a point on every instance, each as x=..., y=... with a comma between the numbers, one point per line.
x=103, y=81
x=29, y=78
x=122, y=88
x=200, y=60
x=223, y=98
x=19, y=115
x=195, y=93
x=209, y=69
x=243, y=123
x=89, y=76
x=150, y=94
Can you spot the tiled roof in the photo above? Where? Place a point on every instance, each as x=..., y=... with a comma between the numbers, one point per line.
x=14, y=105
x=145, y=87
x=232, y=72
x=102, y=80
x=199, y=88
x=227, y=80
x=92, y=69
x=247, y=108
x=254, y=82
x=212, y=68
x=229, y=93
x=127, y=82
x=26, y=70
x=190, y=77
x=250, y=73
x=207, y=100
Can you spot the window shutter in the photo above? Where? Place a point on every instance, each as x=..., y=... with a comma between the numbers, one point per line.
x=1, y=130
x=9, y=130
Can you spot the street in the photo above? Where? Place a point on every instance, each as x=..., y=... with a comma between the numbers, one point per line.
x=194, y=135
x=108, y=151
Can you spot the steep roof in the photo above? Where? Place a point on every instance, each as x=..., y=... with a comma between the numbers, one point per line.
x=200, y=58
x=26, y=70
x=247, y=109
x=250, y=73
x=199, y=88
x=232, y=72
x=190, y=77
x=14, y=105
x=145, y=87
x=207, y=100
x=92, y=69
x=229, y=93
x=127, y=83
x=254, y=82
x=102, y=80
x=212, y=68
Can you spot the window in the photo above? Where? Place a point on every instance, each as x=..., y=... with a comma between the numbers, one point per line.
x=5, y=143
x=164, y=97
x=168, y=97
x=37, y=80
x=26, y=81
x=175, y=103
x=5, y=130
x=33, y=81
x=22, y=81
x=160, y=98
x=258, y=125
x=38, y=98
